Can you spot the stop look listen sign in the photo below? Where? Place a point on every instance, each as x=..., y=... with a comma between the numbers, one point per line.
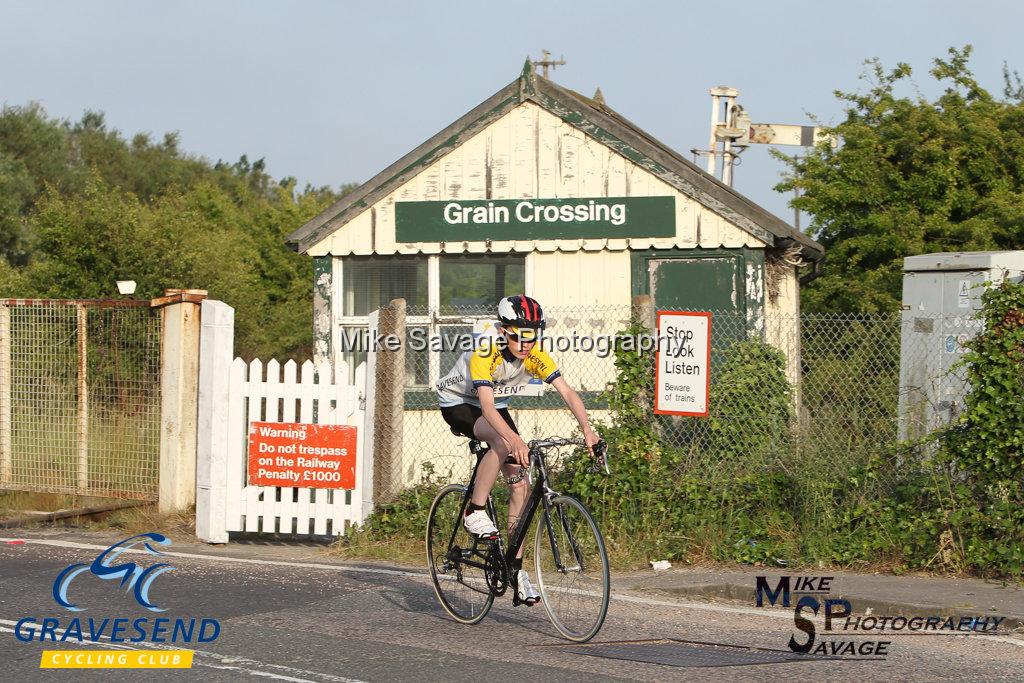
x=682, y=375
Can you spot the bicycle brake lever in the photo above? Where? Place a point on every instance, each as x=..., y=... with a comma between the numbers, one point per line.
x=601, y=455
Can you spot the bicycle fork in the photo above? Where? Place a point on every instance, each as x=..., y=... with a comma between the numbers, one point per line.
x=555, y=551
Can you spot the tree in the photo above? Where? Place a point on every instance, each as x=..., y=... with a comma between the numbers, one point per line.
x=232, y=246
x=32, y=154
x=911, y=176
x=81, y=205
x=16, y=193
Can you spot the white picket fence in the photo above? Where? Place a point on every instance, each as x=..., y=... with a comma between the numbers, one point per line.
x=232, y=394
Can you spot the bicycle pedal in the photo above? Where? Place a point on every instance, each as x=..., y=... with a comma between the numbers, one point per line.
x=516, y=602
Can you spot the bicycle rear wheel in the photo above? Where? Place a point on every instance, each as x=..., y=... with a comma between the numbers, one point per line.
x=460, y=588
x=572, y=569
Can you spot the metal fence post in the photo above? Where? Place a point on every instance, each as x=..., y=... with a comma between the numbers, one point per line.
x=82, y=418
x=179, y=387
x=216, y=349
x=6, y=469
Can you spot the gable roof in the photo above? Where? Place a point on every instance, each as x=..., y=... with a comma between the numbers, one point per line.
x=590, y=116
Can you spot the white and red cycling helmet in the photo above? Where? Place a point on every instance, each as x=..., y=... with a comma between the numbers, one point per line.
x=520, y=312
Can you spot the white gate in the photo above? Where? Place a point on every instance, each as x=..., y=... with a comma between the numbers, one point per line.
x=232, y=395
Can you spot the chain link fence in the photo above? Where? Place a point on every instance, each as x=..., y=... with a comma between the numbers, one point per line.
x=80, y=397
x=786, y=391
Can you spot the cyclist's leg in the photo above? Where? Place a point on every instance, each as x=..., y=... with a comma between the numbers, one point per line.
x=519, y=491
x=463, y=418
x=491, y=463
x=517, y=496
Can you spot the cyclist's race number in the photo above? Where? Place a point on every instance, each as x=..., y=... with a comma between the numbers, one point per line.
x=303, y=455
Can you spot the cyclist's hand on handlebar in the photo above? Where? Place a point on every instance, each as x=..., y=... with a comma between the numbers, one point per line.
x=520, y=451
x=598, y=451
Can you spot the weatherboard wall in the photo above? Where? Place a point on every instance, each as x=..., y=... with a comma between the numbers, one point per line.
x=529, y=153
x=782, y=324
x=583, y=279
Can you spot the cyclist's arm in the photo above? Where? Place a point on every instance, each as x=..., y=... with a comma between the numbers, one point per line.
x=575, y=405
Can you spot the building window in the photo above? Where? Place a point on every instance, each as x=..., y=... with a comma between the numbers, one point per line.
x=473, y=284
x=464, y=287
x=369, y=283
x=470, y=287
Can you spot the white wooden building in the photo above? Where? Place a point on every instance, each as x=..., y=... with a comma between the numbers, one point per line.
x=545, y=190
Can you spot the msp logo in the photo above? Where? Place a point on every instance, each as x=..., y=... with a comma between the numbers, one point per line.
x=132, y=576
x=841, y=625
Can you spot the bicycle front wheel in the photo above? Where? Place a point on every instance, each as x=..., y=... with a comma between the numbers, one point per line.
x=572, y=569
x=460, y=588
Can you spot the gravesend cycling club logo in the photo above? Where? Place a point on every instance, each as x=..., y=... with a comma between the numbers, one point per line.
x=132, y=576
x=135, y=577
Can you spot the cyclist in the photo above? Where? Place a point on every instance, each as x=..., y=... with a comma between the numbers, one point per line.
x=474, y=399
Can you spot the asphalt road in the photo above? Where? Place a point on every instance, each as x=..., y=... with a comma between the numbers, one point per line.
x=297, y=622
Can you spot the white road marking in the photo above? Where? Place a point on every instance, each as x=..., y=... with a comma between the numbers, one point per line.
x=685, y=604
x=240, y=560
x=249, y=666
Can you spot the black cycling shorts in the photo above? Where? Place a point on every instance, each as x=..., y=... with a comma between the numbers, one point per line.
x=463, y=416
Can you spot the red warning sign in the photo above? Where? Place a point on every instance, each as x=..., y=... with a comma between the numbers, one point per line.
x=302, y=455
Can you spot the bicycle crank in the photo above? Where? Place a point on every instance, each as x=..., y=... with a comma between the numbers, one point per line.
x=496, y=572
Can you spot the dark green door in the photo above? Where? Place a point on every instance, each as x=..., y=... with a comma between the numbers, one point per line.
x=706, y=283
x=696, y=284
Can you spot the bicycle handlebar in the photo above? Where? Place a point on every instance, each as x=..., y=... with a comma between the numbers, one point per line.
x=555, y=441
x=600, y=450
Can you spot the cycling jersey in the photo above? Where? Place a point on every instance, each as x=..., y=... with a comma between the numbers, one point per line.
x=492, y=365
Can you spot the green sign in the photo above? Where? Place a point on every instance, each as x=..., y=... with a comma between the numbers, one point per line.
x=535, y=219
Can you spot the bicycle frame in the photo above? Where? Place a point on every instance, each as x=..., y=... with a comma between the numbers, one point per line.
x=540, y=494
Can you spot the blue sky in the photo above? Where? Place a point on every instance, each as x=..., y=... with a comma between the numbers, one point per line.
x=332, y=92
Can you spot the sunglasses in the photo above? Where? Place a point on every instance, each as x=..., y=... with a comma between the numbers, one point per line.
x=516, y=338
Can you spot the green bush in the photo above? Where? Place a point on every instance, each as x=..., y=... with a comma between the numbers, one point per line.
x=751, y=407
x=682, y=487
x=984, y=449
x=956, y=500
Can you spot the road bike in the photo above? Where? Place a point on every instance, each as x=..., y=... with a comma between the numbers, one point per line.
x=468, y=571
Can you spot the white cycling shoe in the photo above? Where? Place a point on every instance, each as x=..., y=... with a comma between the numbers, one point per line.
x=479, y=524
x=525, y=592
